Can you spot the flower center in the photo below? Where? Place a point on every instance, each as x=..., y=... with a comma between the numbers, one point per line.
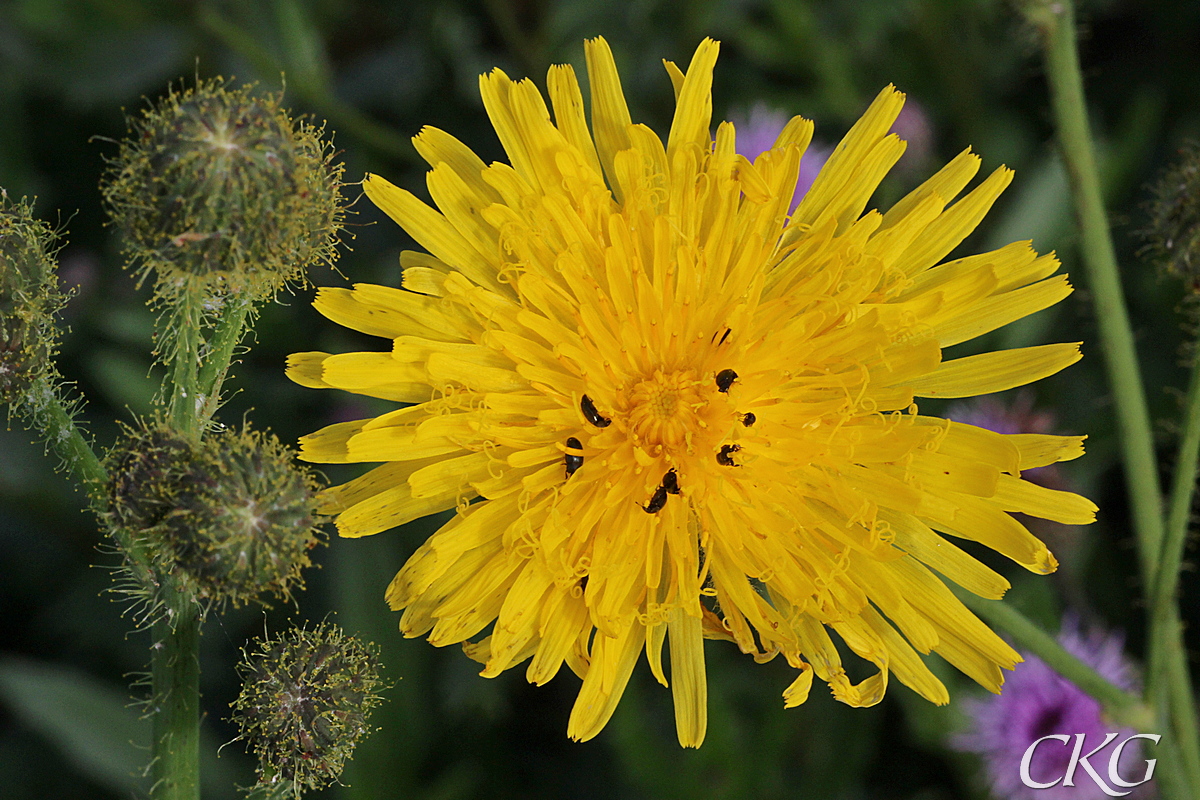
x=667, y=409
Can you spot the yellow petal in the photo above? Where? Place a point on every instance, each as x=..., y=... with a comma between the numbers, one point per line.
x=612, y=664
x=1014, y=494
x=979, y=520
x=1041, y=450
x=377, y=375
x=841, y=165
x=988, y=315
x=306, y=369
x=955, y=224
x=561, y=625
x=904, y=662
x=610, y=115
x=567, y=101
x=945, y=185
x=689, y=686
x=797, y=692
x=996, y=371
x=918, y=540
x=438, y=147
x=432, y=230
x=693, y=110
x=328, y=445
x=391, y=507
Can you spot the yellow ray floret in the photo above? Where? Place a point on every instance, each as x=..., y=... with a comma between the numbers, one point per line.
x=666, y=411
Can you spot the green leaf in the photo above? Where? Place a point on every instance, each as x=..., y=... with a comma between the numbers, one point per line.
x=88, y=720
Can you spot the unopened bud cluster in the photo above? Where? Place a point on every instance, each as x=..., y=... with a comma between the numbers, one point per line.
x=219, y=187
x=232, y=517
x=1173, y=234
x=29, y=298
x=304, y=704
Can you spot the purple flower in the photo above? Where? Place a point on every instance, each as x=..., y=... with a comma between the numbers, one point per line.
x=757, y=132
x=1036, y=702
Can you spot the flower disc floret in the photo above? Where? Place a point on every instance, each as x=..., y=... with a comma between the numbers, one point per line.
x=668, y=410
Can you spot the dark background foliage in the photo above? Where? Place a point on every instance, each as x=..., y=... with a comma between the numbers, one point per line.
x=378, y=71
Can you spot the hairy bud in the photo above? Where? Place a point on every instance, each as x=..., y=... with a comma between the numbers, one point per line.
x=220, y=187
x=304, y=704
x=29, y=298
x=232, y=517
x=1173, y=233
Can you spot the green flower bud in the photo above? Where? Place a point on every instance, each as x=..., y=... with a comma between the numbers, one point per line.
x=1173, y=235
x=144, y=473
x=304, y=704
x=29, y=298
x=219, y=187
x=231, y=517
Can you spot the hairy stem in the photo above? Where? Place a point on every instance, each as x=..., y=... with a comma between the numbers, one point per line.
x=182, y=343
x=226, y=336
x=175, y=683
x=175, y=663
x=53, y=418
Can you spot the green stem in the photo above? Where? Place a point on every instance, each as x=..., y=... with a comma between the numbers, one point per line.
x=1120, y=705
x=1133, y=419
x=224, y=339
x=51, y=416
x=1183, y=707
x=1168, y=685
x=175, y=684
x=1168, y=661
x=182, y=345
x=175, y=664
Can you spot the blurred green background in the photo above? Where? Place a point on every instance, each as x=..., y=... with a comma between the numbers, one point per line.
x=378, y=71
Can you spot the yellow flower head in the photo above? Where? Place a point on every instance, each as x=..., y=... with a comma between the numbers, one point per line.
x=666, y=410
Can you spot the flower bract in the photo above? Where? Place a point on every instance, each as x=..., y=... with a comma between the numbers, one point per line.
x=667, y=410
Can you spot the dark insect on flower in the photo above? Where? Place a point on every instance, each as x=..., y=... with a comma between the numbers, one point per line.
x=725, y=379
x=657, y=501
x=670, y=482
x=304, y=704
x=573, y=460
x=725, y=457
x=633, y=347
x=591, y=414
x=749, y=419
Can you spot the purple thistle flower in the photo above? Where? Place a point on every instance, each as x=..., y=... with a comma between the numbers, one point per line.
x=757, y=132
x=1037, y=702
